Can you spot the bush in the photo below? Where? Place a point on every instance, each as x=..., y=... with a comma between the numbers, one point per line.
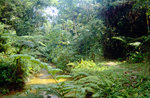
x=15, y=71
x=136, y=57
x=8, y=78
x=5, y=73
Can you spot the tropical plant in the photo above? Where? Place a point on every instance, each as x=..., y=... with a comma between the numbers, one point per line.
x=91, y=80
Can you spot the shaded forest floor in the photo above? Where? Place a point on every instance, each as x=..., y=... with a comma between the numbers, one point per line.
x=134, y=74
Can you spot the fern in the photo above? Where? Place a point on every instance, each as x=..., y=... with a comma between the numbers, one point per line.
x=62, y=76
x=98, y=94
x=80, y=88
x=136, y=44
x=85, y=82
x=80, y=74
x=23, y=56
x=122, y=39
x=54, y=71
x=71, y=64
x=85, y=64
x=37, y=61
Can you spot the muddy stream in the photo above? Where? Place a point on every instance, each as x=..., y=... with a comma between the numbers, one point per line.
x=41, y=79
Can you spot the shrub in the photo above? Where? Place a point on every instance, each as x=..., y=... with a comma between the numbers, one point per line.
x=15, y=70
x=136, y=57
x=8, y=78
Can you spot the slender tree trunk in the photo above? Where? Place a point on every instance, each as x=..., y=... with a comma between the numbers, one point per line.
x=147, y=17
x=75, y=28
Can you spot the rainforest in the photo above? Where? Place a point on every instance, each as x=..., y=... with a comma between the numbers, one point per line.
x=74, y=49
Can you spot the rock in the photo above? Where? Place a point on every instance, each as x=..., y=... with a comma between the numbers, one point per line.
x=49, y=96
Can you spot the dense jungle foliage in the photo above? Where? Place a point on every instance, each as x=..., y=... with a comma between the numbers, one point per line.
x=102, y=47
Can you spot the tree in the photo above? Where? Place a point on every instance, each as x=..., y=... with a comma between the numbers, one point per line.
x=145, y=4
x=25, y=16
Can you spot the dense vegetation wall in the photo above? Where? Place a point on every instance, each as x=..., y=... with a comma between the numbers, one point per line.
x=123, y=20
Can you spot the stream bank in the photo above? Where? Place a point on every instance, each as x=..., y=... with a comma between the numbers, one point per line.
x=43, y=78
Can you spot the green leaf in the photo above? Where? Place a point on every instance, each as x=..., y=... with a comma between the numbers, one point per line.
x=136, y=44
x=44, y=65
x=62, y=76
x=23, y=56
x=71, y=64
x=89, y=89
x=54, y=71
x=37, y=61
x=119, y=38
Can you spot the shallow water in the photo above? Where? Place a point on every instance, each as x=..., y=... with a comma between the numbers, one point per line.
x=41, y=79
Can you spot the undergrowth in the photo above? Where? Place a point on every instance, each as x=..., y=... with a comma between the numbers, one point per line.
x=97, y=80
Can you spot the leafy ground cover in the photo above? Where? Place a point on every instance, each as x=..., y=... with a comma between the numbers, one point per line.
x=101, y=79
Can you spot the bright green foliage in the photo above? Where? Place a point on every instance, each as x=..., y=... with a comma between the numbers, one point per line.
x=6, y=39
x=34, y=65
x=58, y=48
x=62, y=77
x=84, y=64
x=107, y=82
x=62, y=47
x=27, y=63
x=25, y=16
